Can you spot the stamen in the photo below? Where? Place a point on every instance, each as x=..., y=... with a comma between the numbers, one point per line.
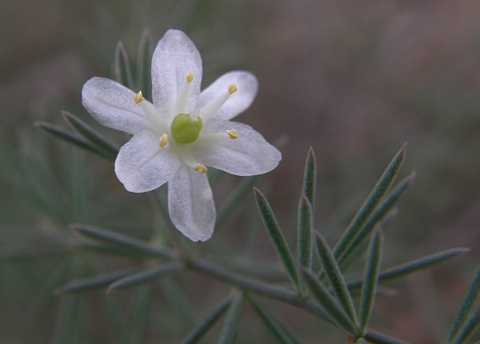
x=232, y=88
x=182, y=98
x=232, y=133
x=200, y=168
x=211, y=108
x=163, y=140
x=189, y=77
x=138, y=98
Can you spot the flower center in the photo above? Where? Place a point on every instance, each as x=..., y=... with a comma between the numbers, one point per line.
x=186, y=129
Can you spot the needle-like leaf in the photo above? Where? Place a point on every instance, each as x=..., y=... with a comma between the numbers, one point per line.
x=412, y=267
x=123, y=73
x=276, y=236
x=145, y=276
x=333, y=309
x=466, y=306
x=370, y=203
x=229, y=328
x=305, y=232
x=121, y=240
x=370, y=279
x=91, y=135
x=335, y=277
x=210, y=320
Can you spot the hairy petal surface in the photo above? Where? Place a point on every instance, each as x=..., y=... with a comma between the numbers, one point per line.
x=174, y=56
x=248, y=155
x=112, y=105
x=190, y=203
x=141, y=164
x=239, y=101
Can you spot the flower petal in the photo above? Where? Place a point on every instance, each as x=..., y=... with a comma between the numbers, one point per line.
x=239, y=101
x=112, y=105
x=190, y=203
x=142, y=165
x=247, y=155
x=174, y=56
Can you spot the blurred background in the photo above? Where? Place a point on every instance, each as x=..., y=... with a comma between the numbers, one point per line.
x=354, y=80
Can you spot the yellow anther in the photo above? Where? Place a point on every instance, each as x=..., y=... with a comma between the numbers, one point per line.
x=163, y=141
x=138, y=97
x=189, y=77
x=232, y=133
x=232, y=88
x=200, y=168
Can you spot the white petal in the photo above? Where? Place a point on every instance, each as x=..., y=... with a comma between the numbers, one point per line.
x=113, y=106
x=190, y=203
x=239, y=101
x=174, y=56
x=247, y=155
x=142, y=165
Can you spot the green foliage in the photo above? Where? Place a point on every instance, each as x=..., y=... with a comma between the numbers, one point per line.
x=317, y=286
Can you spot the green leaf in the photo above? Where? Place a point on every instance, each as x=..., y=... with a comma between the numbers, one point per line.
x=466, y=306
x=92, y=283
x=144, y=61
x=370, y=203
x=276, y=236
x=370, y=278
x=335, y=277
x=72, y=138
x=99, y=248
x=468, y=328
x=121, y=240
x=202, y=328
x=145, y=276
x=68, y=325
x=412, y=267
x=278, y=329
x=229, y=328
x=123, y=73
x=305, y=232
x=377, y=216
x=310, y=176
x=333, y=309
x=141, y=314
x=91, y=135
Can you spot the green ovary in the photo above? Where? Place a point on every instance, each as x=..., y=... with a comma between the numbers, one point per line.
x=184, y=129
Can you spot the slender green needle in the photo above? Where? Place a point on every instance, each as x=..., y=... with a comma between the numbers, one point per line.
x=305, y=232
x=412, y=267
x=333, y=309
x=382, y=210
x=370, y=203
x=123, y=73
x=91, y=135
x=210, y=320
x=278, y=329
x=466, y=306
x=145, y=276
x=276, y=236
x=370, y=278
x=72, y=138
x=121, y=240
x=335, y=277
x=96, y=282
x=467, y=329
x=309, y=178
x=230, y=325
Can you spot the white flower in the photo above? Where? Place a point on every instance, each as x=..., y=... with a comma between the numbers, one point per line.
x=182, y=132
